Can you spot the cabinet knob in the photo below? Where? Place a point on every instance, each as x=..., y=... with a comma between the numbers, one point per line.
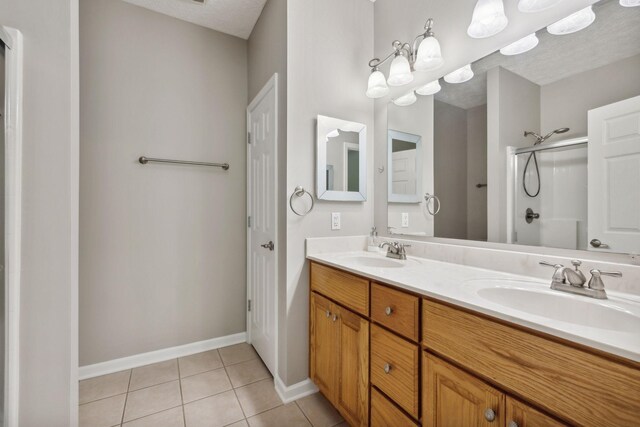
x=388, y=311
x=512, y=424
x=335, y=317
x=328, y=313
x=489, y=414
x=387, y=368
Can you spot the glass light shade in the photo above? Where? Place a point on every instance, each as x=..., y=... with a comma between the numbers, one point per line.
x=573, y=23
x=400, y=73
x=460, y=75
x=488, y=19
x=377, y=87
x=429, y=55
x=629, y=3
x=406, y=100
x=429, y=89
x=523, y=45
x=531, y=6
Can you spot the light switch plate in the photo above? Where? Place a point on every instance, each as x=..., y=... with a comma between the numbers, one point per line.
x=335, y=220
x=405, y=219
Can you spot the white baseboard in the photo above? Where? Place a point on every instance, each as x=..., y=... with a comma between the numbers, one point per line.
x=143, y=359
x=294, y=392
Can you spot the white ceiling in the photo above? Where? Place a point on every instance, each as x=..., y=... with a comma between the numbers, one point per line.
x=235, y=17
x=612, y=37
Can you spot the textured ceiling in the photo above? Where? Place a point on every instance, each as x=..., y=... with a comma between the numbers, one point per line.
x=235, y=17
x=615, y=35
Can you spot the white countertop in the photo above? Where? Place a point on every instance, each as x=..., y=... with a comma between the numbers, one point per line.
x=467, y=287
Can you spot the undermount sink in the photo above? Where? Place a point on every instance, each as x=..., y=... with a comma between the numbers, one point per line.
x=374, y=261
x=559, y=306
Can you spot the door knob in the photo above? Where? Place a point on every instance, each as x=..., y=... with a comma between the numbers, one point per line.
x=598, y=244
x=387, y=368
x=388, y=311
x=269, y=245
x=512, y=424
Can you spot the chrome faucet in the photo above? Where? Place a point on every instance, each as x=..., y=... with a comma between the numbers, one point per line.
x=573, y=281
x=395, y=250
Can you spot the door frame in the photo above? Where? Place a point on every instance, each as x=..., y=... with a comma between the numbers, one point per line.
x=13, y=41
x=271, y=84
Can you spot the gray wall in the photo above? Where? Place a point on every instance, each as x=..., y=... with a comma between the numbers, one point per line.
x=513, y=106
x=565, y=103
x=477, y=172
x=48, y=334
x=267, y=54
x=329, y=45
x=162, y=247
x=450, y=170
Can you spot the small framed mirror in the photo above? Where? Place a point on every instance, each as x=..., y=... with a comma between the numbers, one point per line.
x=405, y=167
x=341, y=160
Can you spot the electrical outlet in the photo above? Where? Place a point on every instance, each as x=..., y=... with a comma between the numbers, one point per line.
x=335, y=220
x=405, y=219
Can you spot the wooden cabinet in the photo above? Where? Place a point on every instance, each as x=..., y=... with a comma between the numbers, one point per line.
x=339, y=358
x=398, y=311
x=520, y=414
x=454, y=398
x=385, y=414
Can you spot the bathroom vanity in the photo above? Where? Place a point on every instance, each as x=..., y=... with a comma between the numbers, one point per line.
x=414, y=342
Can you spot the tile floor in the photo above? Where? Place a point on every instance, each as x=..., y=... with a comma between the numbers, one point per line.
x=225, y=387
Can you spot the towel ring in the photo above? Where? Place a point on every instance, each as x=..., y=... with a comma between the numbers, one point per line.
x=428, y=197
x=299, y=192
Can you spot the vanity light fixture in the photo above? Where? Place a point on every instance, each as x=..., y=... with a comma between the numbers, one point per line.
x=629, y=3
x=460, y=75
x=406, y=100
x=532, y=6
x=423, y=55
x=488, y=19
x=523, y=45
x=429, y=89
x=573, y=23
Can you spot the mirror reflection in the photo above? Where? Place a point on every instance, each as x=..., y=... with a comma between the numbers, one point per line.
x=540, y=146
x=341, y=165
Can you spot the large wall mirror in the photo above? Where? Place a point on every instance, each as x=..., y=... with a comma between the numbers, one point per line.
x=538, y=145
x=341, y=160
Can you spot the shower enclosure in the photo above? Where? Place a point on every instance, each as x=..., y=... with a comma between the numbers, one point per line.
x=556, y=215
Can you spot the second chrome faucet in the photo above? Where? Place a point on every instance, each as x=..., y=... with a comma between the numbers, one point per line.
x=572, y=280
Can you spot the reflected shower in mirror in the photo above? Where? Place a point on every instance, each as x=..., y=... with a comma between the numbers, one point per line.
x=544, y=100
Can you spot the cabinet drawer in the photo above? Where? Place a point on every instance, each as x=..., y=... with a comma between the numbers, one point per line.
x=344, y=288
x=396, y=310
x=385, y=414
x=524, y=415
x=394, y=368
x=549, y=373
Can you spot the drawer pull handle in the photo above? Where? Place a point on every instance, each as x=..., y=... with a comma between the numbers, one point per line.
x=388, y=311
x=335, y=317
x=489, y=415
x=328, y=313
x=387, y=368
x=512, y=424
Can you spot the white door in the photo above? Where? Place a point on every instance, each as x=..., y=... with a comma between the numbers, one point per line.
x=262, y=209
x=614, y=177
x=404, y=172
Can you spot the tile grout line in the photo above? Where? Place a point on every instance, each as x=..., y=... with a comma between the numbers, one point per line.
x=124, y=408
x=184, y=415
x=304, y=414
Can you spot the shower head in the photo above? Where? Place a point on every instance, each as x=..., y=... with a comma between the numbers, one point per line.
x=540, y=139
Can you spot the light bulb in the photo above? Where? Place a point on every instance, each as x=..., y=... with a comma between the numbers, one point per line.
x=488, y=19
x=629, y=3
x=406, y=100
x=460, y=75
x=429, y=89
x=377, y=87
x=523, y=45
x=573, y=23
x=429, y=55
x=400, y=73
x=531, y=6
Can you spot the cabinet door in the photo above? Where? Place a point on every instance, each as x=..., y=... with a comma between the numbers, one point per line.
x=522, y=415
x=454, y=398
x=352, y=397
x=323, y=340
